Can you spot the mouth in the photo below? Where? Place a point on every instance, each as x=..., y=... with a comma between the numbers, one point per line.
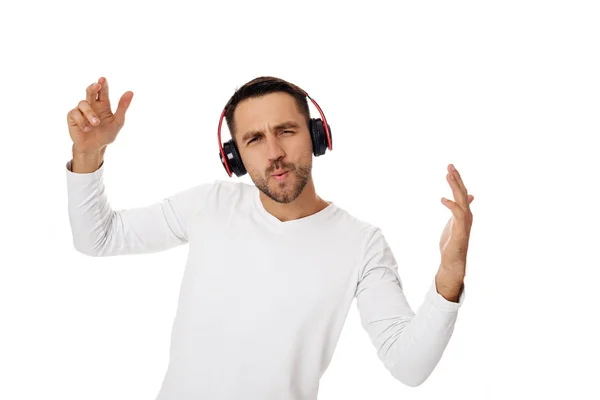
x=280, y=176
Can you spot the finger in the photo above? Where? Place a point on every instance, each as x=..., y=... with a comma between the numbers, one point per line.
x=103, y=93
x=458, y=213
x=124, y=103
x=459, y=196
x=76, y=118
x=86, y=109
x=459, y=178
x=455, y=208
x=471, y=198
x=91, y=91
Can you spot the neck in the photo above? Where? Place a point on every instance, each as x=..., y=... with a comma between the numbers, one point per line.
x=307, y=203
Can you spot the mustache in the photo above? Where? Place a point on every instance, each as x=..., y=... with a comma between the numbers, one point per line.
x=275, y=166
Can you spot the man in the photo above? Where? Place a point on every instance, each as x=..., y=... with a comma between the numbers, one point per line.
x=272, y=267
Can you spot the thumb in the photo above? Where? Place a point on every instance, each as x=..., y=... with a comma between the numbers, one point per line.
x=124, y=103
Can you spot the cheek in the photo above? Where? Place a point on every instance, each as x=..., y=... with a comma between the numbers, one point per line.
x=307, y=155
x=301, y=151
x=252, y=164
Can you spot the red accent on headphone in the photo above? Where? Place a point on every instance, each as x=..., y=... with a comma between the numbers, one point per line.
x=221, y=146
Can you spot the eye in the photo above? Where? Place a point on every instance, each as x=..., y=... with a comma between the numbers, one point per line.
x=288, y=131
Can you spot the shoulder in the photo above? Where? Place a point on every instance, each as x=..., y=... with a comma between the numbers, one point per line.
x=362, y=231
x=211, y=197
x=364, y=241
x=368, y=239
x=217, y=189
x=210, y=192
x=227, y=191
x=372, y=248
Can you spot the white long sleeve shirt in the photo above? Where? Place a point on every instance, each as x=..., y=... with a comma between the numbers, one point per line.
x=262, y=302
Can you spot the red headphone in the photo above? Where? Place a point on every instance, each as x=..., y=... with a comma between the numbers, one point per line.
x=320, y=134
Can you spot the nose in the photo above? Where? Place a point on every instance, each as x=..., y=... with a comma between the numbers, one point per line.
x=274, y=149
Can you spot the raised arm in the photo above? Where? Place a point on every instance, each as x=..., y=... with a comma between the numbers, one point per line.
x=97, y=229
x=409, y=344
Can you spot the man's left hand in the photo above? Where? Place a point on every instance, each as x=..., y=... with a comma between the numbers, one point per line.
x=454, y=241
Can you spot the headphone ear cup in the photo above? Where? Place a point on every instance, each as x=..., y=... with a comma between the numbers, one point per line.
x=233, y=158
x=318, y=136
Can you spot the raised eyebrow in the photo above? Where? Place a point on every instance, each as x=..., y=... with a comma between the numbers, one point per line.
x=287, y=124
x=283, y=125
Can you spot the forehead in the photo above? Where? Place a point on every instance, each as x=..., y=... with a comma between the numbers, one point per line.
x=270, y=109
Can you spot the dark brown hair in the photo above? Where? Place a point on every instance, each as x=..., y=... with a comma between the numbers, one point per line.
x=259, y=87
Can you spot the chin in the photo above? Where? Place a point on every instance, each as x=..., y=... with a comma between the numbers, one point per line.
x=284, y=191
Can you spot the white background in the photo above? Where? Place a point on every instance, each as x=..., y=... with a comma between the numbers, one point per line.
x=507, y=91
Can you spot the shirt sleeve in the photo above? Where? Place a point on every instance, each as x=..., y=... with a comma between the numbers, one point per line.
x=409, y=344
x=98, y=230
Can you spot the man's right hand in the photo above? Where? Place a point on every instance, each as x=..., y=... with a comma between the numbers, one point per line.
x=92, y=124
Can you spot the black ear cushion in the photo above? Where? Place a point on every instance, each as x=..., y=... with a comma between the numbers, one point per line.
x=318, y=136
x=233, y=158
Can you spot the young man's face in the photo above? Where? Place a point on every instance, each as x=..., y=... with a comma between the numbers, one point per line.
x=268, y=147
